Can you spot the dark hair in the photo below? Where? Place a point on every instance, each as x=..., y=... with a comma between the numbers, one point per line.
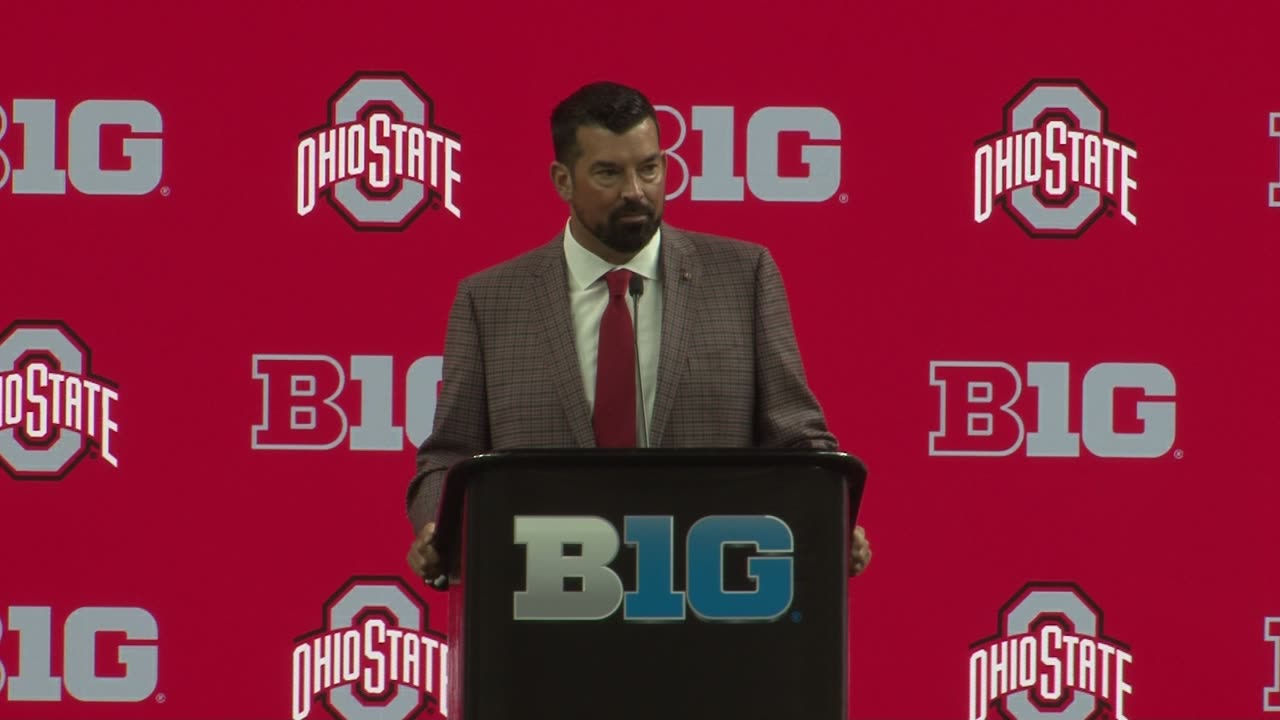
x=609, y=105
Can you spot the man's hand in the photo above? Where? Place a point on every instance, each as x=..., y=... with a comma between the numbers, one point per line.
x=859, y=552
x=423, y=558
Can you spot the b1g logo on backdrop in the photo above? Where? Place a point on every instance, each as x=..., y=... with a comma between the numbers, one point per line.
x=551, y=565
x=1273, y=189
x=54, y=410
x=792, y=153
x=306, y=402
x=380, y=160
x=1049, y=660
x=1271, y=694
x=1119, y=410
x=128, y=635
x=1055, y=167
x=112, y=147
x=374, y=658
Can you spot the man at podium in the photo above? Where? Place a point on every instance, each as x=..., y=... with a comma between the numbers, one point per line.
x=622, y=331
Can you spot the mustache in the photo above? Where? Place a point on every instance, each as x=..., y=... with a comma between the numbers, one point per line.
x=632, y=208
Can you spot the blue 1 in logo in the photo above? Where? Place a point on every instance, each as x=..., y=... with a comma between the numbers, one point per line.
x=547, y=538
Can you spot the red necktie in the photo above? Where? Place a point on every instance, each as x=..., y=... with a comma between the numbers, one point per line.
x=615, y=408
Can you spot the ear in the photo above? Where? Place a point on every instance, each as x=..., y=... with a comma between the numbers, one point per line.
x=563, y=180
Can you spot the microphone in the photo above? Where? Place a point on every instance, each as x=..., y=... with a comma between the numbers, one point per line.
x=636, y=288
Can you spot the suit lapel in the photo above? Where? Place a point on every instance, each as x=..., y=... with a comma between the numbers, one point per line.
x=680, y=272
x=549, y=297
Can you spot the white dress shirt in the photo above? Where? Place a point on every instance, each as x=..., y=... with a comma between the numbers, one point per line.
x=588, y=297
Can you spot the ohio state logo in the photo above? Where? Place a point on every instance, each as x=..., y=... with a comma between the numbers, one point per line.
x=1055, y=168
x=53, y=409
x=380, y=160
x=374, y=658
x=1049, y=660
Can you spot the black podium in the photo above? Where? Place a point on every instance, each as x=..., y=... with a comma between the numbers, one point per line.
x=627, y=584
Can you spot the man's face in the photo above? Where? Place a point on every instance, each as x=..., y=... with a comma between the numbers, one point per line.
x=618, y=184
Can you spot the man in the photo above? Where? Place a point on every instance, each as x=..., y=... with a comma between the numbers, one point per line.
x=540, y=350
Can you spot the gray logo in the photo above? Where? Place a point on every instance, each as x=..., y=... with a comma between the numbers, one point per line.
x=32, y=627
x=4, y=159
x=53, y=410
x=764, y=129
x=39, y=176
x=1055, y=167
x=380, y=160
x=1273, y=189
x=1050, y=660
x=1271, y=694
x=361, y=663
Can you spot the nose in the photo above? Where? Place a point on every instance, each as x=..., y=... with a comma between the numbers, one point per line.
x=632, y=187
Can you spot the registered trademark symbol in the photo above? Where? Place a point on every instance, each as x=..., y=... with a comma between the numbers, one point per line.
x=1177, y=454
x=161, y=698
x=164, y=191
x=796, y=616
x=844, y=198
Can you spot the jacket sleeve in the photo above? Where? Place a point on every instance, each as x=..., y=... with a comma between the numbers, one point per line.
x=460, y=428
x=788, y=414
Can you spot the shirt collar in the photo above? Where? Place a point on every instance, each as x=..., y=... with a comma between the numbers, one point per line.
x=585, y=267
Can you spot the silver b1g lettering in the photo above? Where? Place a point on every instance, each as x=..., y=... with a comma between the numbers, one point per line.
x=655, y=597
x=31, y=628
x=717, y=179
x=977, y=413
x=40, y=120
x=1271, y=693
x=305, y=402
x=1273, y=189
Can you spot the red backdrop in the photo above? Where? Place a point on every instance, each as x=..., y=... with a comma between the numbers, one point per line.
x=1068, y=429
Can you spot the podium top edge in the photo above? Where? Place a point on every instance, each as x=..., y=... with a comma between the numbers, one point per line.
x=449, y=511
x=831, y=460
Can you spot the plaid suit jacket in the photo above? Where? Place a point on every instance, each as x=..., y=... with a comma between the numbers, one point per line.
x=729, y=370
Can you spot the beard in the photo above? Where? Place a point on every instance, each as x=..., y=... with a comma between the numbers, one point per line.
x=627, y=237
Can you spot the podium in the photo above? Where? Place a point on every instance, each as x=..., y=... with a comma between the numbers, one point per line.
x=607, y=584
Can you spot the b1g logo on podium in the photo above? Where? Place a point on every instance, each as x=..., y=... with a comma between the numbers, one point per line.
x=374, y=659
x=380, y=160
x=550, y=563
x=1049, y=660
x=305, y=403
x=1126, y=410
x=1055, y=167
x=54, y=410
x=130, y=163
x=79, y=645
x=776, y=166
